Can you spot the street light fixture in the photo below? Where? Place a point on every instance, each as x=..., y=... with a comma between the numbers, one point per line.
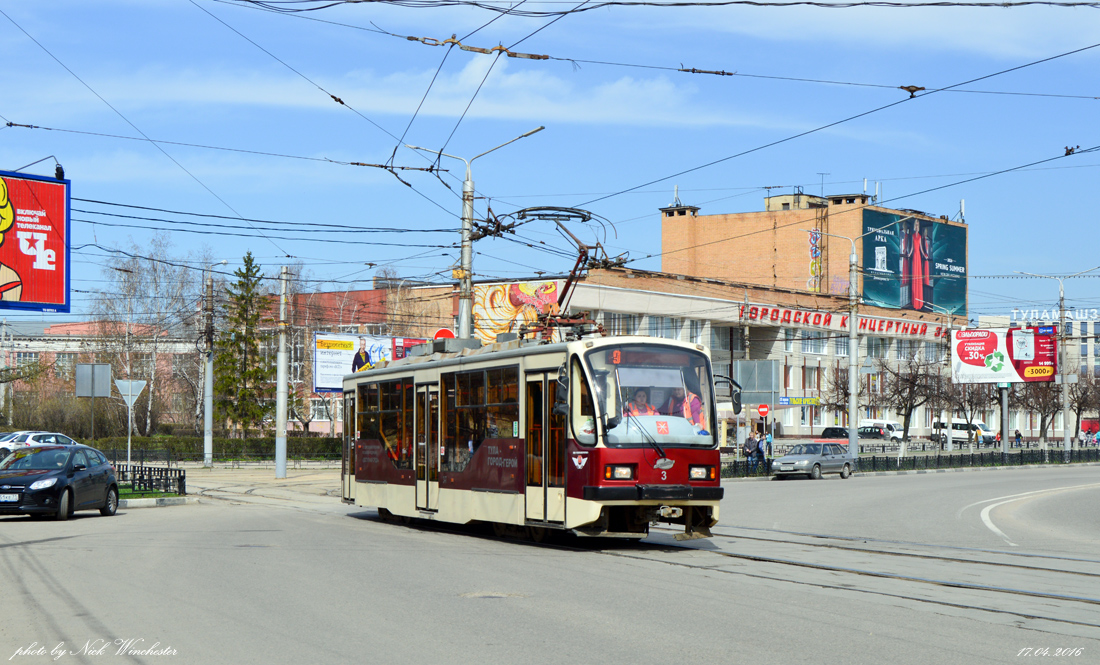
x=465, y=275
x=208, y=370
x=1062, y=349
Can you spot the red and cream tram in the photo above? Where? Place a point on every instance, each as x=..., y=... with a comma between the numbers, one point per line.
x=539, y=436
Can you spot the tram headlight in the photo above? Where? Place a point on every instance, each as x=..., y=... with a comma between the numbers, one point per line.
x=620, y=472
x=701, y=473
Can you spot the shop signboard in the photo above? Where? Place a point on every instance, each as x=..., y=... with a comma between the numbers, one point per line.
x=1004, y=355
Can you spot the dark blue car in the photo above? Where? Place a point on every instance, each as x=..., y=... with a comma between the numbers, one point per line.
x=57, y=481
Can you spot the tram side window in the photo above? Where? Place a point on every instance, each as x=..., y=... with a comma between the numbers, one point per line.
x=581, y=411
x=477, y=405
x=387, y=418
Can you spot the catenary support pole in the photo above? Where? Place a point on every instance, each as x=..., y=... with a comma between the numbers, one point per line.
x=208, y=379
x=853, y=363
x=281, y=378
x=1062, y=363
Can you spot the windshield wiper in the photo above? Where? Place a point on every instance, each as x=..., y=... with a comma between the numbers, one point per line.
x=649, y=439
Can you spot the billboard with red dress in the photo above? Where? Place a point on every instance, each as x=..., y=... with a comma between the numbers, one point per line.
x=914, y=263
x=34, y=243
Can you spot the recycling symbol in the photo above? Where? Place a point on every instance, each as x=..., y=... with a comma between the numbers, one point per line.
x=995, y=361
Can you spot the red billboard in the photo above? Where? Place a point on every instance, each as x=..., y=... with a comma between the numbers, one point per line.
x=34, y=243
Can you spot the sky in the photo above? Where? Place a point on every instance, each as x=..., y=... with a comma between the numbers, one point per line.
x=238, y=102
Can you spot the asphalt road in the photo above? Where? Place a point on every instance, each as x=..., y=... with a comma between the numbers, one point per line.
x=902, y=569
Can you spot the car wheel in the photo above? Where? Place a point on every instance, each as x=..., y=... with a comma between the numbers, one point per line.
x=845, y=472
x=816, y=472
x=64, y=506
x=778, y=477
x=110, y=504
x=4, y=452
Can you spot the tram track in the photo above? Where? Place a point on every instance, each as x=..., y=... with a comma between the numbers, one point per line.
x=967, y=594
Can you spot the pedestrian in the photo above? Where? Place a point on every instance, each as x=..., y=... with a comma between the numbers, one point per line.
x=768, y=437
x=763, y=445
x=1018, y=438
x=1081, y=437
x=998, y=437
x=750, y=451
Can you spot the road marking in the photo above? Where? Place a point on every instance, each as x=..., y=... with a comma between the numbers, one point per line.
x=1001, y=500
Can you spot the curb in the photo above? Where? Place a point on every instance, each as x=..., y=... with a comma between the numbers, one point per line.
x=913, y=472
x=156, y=503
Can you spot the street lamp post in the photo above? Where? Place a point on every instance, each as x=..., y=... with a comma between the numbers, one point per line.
x=853, y=339
x=465, y=272
x=208, y=370
x=1062, y=350
x=946, y=421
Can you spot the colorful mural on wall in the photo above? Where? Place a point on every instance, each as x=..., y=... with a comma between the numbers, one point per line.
x=502, y=308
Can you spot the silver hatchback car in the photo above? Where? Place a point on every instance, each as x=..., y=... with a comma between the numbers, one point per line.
x=812, y=460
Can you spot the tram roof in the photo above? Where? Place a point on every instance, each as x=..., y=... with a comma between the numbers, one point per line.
x=505, y=350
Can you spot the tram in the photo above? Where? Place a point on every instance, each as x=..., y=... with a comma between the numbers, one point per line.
x=526, y=434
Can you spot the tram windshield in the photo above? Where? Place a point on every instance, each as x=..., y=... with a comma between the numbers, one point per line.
x=648, y=394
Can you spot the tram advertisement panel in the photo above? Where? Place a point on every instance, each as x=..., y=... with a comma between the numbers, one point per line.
x=501, y=308
x=34, y=243
x=916, y=264
x=1004, y=355
x=336, y=356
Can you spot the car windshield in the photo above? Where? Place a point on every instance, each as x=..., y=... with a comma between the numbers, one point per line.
x=649, y=394
x=35, y=459
x=806, y=449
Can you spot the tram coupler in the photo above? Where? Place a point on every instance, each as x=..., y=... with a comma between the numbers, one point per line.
x=669, y=512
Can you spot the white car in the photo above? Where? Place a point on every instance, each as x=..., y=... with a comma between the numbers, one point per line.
x=13, y=440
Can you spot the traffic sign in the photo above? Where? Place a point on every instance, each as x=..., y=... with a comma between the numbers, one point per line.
x=444, y=333
x=129, y=390
x=763, y=410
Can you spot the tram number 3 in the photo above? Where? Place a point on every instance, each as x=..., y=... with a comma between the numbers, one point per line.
x=664, y=475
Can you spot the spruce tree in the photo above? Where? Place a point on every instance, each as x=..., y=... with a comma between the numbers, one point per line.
x=242, y=377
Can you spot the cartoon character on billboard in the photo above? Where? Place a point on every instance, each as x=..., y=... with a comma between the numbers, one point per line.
x=11, y=285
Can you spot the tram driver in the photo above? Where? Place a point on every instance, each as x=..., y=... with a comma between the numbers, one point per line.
x=639, y=404
x=686, y=404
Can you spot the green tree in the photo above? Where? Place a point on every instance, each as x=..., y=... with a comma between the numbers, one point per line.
x=242, y=377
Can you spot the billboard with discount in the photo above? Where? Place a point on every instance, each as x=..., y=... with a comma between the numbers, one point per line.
x=335, y=356
x=34, y=243
x=1004, y=355
x=912, y=263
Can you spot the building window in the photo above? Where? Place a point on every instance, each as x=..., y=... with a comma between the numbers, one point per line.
x=811, y=378
x=878, y=347
x=787, y=369
x=622, y=324
x=813, y=341
x=1069, y=327
x=318, y=410
x=26, y=358
x=788, y=339
x=842, y=346
x=695, y=331
x=64, y=365
x=664, y=327
x=908, y=349
x=1084, y=347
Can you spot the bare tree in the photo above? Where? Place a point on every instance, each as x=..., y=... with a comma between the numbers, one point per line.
x=907, y=385
x=147, y=304
x=1045, y=399
x=968, y=399
x=1083, y=397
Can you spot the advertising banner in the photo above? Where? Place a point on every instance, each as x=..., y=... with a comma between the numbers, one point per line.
x=1004, y=355
x=916, y=264
x=337, y=355
x=502, y=308
x=34, y=243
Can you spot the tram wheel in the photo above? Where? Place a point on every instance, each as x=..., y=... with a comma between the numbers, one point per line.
x=537, y=534
x=500, y=530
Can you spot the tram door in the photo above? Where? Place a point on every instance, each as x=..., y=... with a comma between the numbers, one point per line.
x=545, y=434
x=347, y=468
x=427, y=447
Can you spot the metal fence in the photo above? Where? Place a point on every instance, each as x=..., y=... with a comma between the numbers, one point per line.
x=142, y=456
x=870, y=463
x=152, y=478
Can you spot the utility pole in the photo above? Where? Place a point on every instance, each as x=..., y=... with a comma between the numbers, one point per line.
x=465, y=269
x=208, y=372
x=853, y=366
x=208, y=378
x=281, y=377
x=1063, y=376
